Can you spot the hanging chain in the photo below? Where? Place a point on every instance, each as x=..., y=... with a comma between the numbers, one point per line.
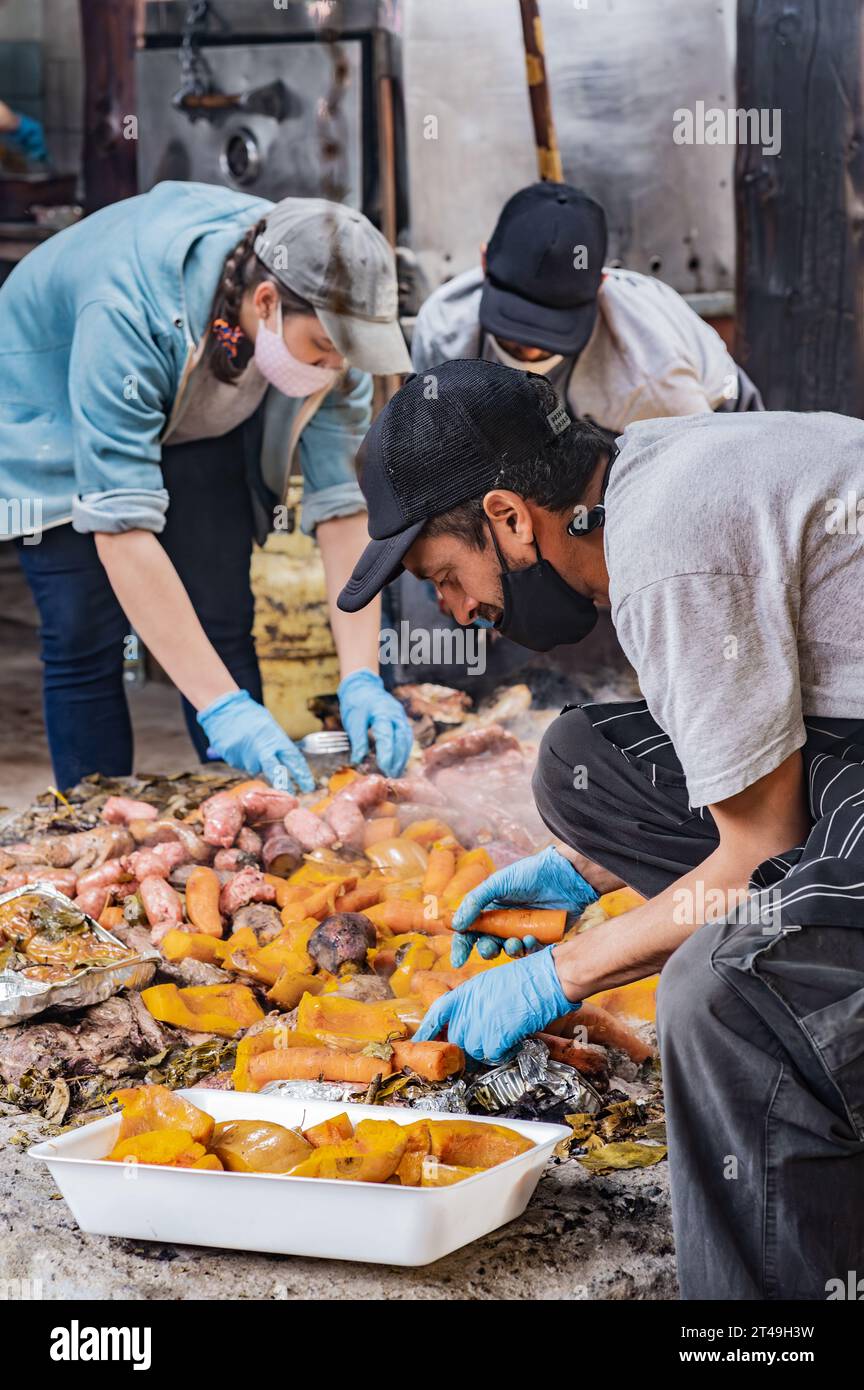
x=196, y=79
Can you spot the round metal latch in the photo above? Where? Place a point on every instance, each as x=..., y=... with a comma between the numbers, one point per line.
x=240, y=159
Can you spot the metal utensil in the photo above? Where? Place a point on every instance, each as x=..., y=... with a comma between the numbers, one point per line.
x=325, y=743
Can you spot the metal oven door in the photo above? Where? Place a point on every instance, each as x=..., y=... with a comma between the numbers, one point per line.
x=295, y=152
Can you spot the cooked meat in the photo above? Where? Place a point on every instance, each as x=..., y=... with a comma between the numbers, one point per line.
x=248, y=886
x=467, y=745
x=82, y=1043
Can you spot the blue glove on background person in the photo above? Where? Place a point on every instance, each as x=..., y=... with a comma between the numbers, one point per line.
x=490, y=1015
x=546, y=879
x=364, y=704
x=28, y=138
x=245, y=734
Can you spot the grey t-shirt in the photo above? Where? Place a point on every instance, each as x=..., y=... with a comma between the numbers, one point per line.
x=735, y=553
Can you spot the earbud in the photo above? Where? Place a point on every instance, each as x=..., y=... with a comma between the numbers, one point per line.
x=587, y=522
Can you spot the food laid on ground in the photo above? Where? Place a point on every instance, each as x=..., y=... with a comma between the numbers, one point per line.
x=158, y=1127
x=299, y=941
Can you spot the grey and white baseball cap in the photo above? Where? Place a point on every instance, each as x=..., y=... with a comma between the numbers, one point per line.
x=332, y=256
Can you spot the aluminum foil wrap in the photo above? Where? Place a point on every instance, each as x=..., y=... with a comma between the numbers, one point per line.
x=22, y=998
x=532, y=1076
x=314, y=1090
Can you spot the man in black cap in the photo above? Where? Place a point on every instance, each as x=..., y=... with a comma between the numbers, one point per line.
x=617, y=346
x=731, y=797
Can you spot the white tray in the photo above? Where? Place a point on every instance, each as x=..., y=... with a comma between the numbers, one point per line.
x=376, y=1223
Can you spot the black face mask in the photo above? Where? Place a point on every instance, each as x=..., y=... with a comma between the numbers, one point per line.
x=541, y=611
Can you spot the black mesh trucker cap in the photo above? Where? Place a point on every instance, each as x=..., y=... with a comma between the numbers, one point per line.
x=444, y=438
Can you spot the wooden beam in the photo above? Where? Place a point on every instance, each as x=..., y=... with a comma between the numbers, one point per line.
x=800, y=213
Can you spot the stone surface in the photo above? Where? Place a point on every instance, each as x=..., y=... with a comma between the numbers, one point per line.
x=582, y=1237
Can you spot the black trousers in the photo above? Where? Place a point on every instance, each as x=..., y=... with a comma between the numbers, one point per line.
x=760, y=1016
x=208, y=536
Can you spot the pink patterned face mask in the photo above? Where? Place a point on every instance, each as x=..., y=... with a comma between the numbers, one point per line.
x=282, y=369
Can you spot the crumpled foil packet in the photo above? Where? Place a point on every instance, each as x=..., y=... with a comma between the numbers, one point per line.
x=22, y=998
x=314, y=1090
x=533, y=1077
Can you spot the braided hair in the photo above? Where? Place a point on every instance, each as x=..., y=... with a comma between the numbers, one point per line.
x=227, y=353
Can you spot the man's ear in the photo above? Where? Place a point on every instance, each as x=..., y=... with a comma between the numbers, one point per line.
x=510, y=515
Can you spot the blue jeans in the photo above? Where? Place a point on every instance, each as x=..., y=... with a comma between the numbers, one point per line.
x=208, y=536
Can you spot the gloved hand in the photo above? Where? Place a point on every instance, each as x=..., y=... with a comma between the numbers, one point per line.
x=491, y=1014
x=29, y=138
x=365, y=704
x=546, y=879
x=246, y=735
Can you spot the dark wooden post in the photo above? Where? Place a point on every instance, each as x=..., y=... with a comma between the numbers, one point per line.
x=548, y=153
x=800, y=213
x=108, y=31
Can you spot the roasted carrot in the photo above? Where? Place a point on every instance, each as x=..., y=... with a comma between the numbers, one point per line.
x=440, y=945
x=398, y=915
x=383, y=810
x=202, y=900
x=462, y=883
x=591, y=1060
x=366, y=894
x=429, y=985
x=546, y=924
x=381, y=828
x=440, y=870
x=603, y=1027
x=434, y=1061
x=322, y=901
x=313, y=1064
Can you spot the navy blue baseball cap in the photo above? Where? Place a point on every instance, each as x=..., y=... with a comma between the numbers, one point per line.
x=446, y=437
x=544, y=267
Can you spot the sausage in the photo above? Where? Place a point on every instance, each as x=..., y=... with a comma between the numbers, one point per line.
x=120, y=810
x=112, y=871
x=157, y=862
x=281, y=853
x=63, y=879
x=87, y=847
x=223, y=819
x=416, y=789
x=346, y=819
x=365, y=792
x=162, y=904
x=249, y=841
x=232, y=861
x=248, y=886
x=468, y=744
x=311, y=831
x=266, y=804
x=150, y=834
x=93, y=900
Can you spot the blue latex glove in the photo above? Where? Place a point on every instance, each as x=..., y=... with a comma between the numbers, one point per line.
x=491, y=1014
x=246, y=735
x=29, y=138
x=546, y=879
x=364, y=704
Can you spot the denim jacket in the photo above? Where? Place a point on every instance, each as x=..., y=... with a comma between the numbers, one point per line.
x=97, y=330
